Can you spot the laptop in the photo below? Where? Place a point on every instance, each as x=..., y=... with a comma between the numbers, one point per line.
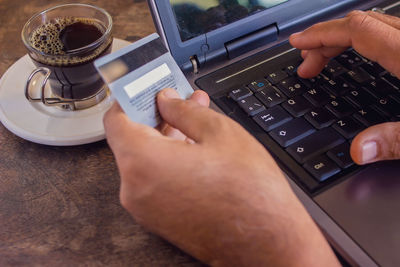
x=237, y=51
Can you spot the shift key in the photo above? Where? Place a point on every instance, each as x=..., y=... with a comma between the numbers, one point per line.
x=292, y=131
x=315, y=144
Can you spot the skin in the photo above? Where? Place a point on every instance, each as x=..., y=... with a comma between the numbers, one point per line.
x=376, y=37
x=206, y=185
x=203, y=189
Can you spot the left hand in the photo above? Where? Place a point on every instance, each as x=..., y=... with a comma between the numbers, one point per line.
x=220, y=197
x=374, y=36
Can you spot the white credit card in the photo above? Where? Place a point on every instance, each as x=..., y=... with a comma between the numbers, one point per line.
x=136, y=73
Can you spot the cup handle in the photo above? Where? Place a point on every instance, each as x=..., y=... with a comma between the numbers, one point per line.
x=48, y=101
x=46, y=72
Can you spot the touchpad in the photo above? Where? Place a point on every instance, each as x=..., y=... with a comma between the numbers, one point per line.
x=367, y=207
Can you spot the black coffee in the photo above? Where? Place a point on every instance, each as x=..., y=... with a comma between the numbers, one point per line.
x=73, y=74
x=78, y=35
x=62, y=35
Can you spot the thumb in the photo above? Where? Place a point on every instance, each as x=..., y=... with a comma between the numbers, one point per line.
x=379, y=142
x=120, y=130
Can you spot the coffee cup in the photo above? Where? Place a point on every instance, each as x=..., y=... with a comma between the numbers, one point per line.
x=63, y=42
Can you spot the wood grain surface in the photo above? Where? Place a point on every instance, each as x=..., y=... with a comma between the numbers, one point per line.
x=59, y=206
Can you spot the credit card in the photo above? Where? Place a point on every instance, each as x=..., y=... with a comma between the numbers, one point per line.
x=136, y=73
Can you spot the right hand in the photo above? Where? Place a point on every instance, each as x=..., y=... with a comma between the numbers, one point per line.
x=376, y=37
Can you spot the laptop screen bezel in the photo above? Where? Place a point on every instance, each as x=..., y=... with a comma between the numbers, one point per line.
x=284, y=15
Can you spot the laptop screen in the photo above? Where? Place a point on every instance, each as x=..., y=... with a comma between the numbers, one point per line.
x=194, y=18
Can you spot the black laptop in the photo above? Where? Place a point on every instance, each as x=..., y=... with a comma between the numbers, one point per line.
x=237, y=51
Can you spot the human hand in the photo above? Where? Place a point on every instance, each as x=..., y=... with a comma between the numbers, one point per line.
x=376, y=37
x=220, y=197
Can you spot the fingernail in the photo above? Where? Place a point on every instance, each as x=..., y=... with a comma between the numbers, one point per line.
x=170, y=93
x=369, y=151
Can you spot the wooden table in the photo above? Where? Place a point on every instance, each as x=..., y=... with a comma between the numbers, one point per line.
x=59, y=206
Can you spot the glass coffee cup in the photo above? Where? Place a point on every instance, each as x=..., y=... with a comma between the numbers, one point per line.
x=63, y=42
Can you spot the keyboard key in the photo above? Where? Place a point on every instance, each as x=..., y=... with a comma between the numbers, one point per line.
x=338, y=87
x=380, y=88
x=291, y=87
x=389, y=107
x=270, y=96
x=297, y=106
x=340, y=108
x=320, y=118
x=341, y=155
x=251, y=105
x=322, y=168
x=258, y=85
x=240, y=93
x=359, y=75
x=292, y=132
x=348, y=127
x=373, y=68
x=292, y=69
x=395, y=96
x=277, y=76
x=333, y=69
x=272, y=118
x=315, y=144
x=317, y=96
x=349, y=59
x=392, y=79
x=313, y=82
x=369, y=117
x=360, y=98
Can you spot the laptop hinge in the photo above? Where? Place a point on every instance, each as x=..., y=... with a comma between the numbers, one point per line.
x=251, y=41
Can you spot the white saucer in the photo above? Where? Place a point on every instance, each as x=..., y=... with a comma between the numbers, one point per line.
x=48, y=125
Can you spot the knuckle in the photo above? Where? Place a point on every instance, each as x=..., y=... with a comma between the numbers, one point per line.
x=355, y=13
x=358, y=20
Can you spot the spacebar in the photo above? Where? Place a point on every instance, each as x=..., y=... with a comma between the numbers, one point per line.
x=315, y=144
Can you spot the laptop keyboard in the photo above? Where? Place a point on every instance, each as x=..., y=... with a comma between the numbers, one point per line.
x=315, y=120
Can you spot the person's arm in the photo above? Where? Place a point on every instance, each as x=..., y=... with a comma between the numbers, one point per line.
x=376, y=37
x=218, y=195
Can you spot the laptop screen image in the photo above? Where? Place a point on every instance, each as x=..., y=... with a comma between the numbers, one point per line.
x=197, y=17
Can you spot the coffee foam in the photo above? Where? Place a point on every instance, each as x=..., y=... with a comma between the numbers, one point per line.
x=46, y=39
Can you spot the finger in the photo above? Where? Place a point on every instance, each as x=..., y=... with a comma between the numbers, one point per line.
x=198, y=96
x=304, y=54
x=165, y=128
x=201, y=97
x=316, y=59
x=379, y=142
x=312, y=64
x=369, y=36
x=192, y=119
